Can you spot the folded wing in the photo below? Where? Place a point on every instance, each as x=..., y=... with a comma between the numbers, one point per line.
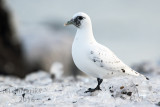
x=106, y=59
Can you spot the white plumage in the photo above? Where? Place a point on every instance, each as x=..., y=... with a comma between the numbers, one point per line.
x=93, y=58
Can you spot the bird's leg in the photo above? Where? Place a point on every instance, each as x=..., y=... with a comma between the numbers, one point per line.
x=97, y=87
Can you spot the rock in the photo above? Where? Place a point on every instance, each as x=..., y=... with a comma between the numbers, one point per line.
x=12, y=61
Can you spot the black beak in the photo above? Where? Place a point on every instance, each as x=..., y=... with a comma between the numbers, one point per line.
x=69, y=22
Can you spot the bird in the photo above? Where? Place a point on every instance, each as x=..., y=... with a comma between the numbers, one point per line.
x=93, y=58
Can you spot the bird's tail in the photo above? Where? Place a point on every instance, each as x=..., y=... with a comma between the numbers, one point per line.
x=141, y=75
x=144, y=77
x=133, y=72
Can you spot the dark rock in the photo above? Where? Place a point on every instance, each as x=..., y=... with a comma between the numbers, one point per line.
x=12, y=61
x=23, y=95
x=129, y=93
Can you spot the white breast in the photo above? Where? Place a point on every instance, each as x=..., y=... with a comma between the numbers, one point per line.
x=80, y=54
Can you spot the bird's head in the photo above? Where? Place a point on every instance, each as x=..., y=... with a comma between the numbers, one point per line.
x=80, y=20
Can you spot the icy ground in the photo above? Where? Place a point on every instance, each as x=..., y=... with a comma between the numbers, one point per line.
x=39, y=89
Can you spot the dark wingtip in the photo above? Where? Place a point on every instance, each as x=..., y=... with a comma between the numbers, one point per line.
x=147, y=78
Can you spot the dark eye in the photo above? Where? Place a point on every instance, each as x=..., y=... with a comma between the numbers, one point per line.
x=80, y=17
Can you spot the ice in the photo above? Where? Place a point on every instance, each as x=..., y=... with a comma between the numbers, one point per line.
x=40, y=77
x=38, y=89
x=56, y=69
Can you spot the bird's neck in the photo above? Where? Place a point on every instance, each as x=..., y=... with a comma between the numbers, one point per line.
x=85, y=34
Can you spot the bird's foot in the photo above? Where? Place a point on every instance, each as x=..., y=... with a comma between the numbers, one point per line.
x=92, y=89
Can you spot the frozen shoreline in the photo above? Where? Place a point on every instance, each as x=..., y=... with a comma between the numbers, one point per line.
x=39, y=89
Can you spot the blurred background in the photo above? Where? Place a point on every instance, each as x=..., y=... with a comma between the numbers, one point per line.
x=32, y=35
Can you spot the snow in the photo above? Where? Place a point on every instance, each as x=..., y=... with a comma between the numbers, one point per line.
x=39, y=89
x=56, y=69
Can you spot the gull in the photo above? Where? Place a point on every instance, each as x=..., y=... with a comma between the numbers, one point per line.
x=93, y=58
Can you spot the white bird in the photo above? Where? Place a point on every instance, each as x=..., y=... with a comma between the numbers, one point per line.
x=93, y=58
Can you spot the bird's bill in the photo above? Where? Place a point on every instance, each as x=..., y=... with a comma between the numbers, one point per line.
x=69, y=22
